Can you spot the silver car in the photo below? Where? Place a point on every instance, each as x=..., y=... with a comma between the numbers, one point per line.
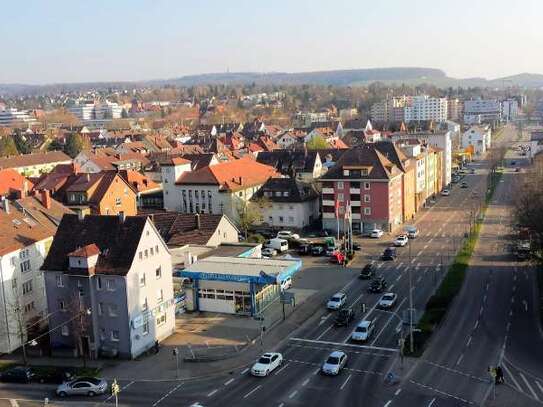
x=83, y=386
x=334, y=363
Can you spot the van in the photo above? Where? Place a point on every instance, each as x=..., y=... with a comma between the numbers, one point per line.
x=281, y=245
x=412, y=232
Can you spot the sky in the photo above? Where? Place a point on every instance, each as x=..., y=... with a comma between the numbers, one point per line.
x=58, y=41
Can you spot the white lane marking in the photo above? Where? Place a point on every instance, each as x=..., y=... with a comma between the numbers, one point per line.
x=305, y=382
x=419, y=253
x=281, y=369
x=324, y=332
x=387, y=403
x=252, y=391
x=413, y=260
x=391, y=287
x=345, y=382
x=481, y=310
x=244, y=371
x=388, y=322
x=512, y=300
x=431, y=403
x=525, y=305
x=425, y=246
x=156, y=403
x=317, y=371
x=212, y=393
x=323, y=319
x=476, y=324
x=504, y=366
x=398, y=278
x=468, y=342
x=460, y=359
x=399, y=266
x=349, y=345
x=431, y=240
x=484, y=298
x=228, y=382
x=293, y=394
x=528, y=385
x=281, y=405
x=397, y=392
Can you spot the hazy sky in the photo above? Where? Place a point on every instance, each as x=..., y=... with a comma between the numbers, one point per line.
x=44, y=41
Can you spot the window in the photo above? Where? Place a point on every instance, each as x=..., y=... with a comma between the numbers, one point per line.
x=64, y=331
x=340, y=197
x=102, y=334
x=27, y=287
x=61, y=305
x=13, y=260
x=100, y=308
x=159, y=295
x=270, y=218
x=14, y=283
x=364, y=172
x=146, y=253
x=367, y=185
x=60, y=281
x=156, y=249
x=115, y=335
x=291, y=219
x=144, y=305
x=160, y=319
x=142, y=280
x=339, y=185
x=140, y=255
x=146, y=328
x=158, y=272
x=117, y=201
x=367, y=211
x=113, y=310
x=23, y=254
x=281, y=219
x=346, y=173
x=29, y=307
x=110, y=284
x=152, y=251
x=367, y=198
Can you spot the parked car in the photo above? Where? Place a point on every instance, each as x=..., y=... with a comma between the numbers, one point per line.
x=387, y=301
x=287, y=234
x=286, y=283
x=337, y=301
x=367, y=272
x=330, y=250
x=344, y=317
x=83, y=386
x=401, y=240
x=389, y=254
x=55, y=375
x=356, y=247
x=445, y=192
x=377, y=285
x=363, y=331
x=17, y=374
x=266, y=364
x=376, y=233
x=317, y=250
x=334, y=363
x=464, y=185
x=281, y=245
x=412, y=232
x=304, y=249
x=269, y=252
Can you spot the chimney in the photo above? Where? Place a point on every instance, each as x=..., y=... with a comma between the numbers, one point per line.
x=45, y=198
x=198, y=224
x=25, y=189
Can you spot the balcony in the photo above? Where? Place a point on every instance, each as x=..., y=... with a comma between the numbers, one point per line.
x=357, y=216
x=328, y=215
x=327, y=203
x=355, y=203
x=354, y=190
x=328, y=190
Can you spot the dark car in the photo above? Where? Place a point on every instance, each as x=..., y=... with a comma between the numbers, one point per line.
x=344, y=317
x=18, y=374
x=389, y=254
x=304, y=249
x=317, y=250
x=54, y=375
x=464, y=185
x=517, y=169
x=377, y=285
x=367, y=272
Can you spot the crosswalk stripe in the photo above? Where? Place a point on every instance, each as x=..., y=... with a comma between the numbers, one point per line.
x=528, y=385
x=512, y=377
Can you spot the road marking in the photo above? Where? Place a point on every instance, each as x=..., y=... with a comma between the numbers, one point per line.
x=281, y=369
x=397, y=392
x=324, y=332
x=460, y=359
x=419, y=253
x=281, y=405
x=388, y=322
x=476, y=324
x=323, y=319
x=293, y=394
x=413, y=260
x=512, y=300
x=468, y=342
x=252, y=391
x=212, y=393
x=387, y=403
x=504, y=366
x=399, y=266
x=317, y=371
x=514, y=288
x=305, y=382
x=398, y=278
x=431, y=402
x=391, y=287
x=425, y=246
x=441, y=392
x=431, y=240
x=484, y=298
x=166, y=395
x=229, y=382
x=349, y=345
x=345, y=382
x=528, y=385
x=244, y=371
x=525, y=305
x=508, y=326
x=510, y=312
x=481, y=310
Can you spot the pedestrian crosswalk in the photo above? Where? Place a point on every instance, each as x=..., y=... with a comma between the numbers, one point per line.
x=523, y=381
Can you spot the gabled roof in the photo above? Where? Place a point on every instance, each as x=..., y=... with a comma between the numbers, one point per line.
x=180, y=229
x=11, y=181
x=289, y=162
x=47, y=217
x=116, y=239
x=233, y=175
x=274, y=190
x=95, y=184
x=25, y=160
x=138, y=182
x=85, y=251
x=393, y=153
x=19, y=231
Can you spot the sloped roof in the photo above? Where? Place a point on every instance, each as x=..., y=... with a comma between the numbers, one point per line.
x=25, y=160
x=117, y=240
x=138, y=182
x=19, y=231
x=289, y=161
x=297, y=191
x=393, y=153
x=11, y=181
x=85, y=251
x=47, y=217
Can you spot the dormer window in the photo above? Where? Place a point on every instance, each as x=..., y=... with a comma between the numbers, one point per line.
x=364, y=172
x=346, y=173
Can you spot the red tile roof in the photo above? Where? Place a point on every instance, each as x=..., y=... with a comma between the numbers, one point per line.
x=11, y=181
x=85, y=251
x=25, y=160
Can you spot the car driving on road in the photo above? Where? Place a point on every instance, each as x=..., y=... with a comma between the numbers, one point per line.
x=83, y=386
x=377, y=285
x=401, y=240
x=363, y=331
x=387, y=301
x=266, y=364
x=344, y=317
x=337, y=301
x=389, y=254
x=269, y=252
x=445, y=192
x=464, y=185
x=412, y=232
x=367, y=272
x=334, y=363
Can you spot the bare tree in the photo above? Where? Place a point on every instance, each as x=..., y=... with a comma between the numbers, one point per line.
x=79, y=325
x=15, y=311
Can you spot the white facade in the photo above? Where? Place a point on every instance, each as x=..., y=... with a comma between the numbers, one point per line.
x=88, y=111
x=479, y=138
x=482, y=110
x=172, y=194
x=10, y=117
x=287, y=140
x=510, y=109
x=425, y=108
x=23, y=288
x=291, y=214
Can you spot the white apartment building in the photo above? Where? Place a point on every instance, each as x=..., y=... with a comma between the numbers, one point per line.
x=510, y=109
x=482, y=111
x=90, y=110
x=425, y=108
x=11, y=117
x=477, y=138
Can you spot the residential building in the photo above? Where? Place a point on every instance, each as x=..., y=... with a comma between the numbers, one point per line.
x=223, y=188
x=477, y=139
x=108, y=159
x=148, y=193
x=35, y=164
x=305, y=166
x=13, y=184
x=425, y=108
x=109, y=286
x=482, y=111
x=455, y=109
x=13, y=117
x=510, y=109
x=371, y=183
x=287, y=203
x=88, y=111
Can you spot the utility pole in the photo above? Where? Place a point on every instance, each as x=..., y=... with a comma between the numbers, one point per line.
x=411, y=344
x=176, y=354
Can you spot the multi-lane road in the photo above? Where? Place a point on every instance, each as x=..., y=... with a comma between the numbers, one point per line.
x=492, y=321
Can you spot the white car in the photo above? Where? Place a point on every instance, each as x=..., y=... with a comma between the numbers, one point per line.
x=269, y=252
x=363, y=331
x=445, y=192
x=287, y=234
x=376, y=233
x=388, y=300
x=267, y=363
x=337, y=301
x=401, y=240
x=286, y=284
x=334, y=363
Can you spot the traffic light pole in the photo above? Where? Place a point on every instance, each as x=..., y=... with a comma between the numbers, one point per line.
x=411, y=345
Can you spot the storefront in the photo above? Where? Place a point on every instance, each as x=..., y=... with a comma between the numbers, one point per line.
x=235, y=285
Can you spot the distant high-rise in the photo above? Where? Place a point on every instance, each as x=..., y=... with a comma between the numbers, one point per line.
x=410, y=108
x=14, y=117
